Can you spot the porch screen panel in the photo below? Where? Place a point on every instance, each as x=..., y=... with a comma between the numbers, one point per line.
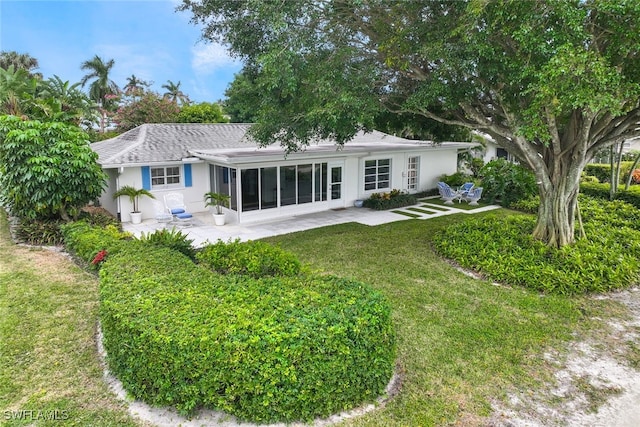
x=320, y=185
x=250, y=193
x=305, y=184
x=268, y=187
x=287, y=185
x=224, y=182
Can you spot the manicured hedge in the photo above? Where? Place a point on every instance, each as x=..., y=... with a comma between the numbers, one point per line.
x=631, y=196
x=265, y=350
x=86, y=241
x=254, y=258
x=602, y=171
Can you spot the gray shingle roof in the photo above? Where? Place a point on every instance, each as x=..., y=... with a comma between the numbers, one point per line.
x=168, y=142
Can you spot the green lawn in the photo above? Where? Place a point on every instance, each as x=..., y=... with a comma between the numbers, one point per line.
x=459, y=205
x=48, y=359
x=461, y=342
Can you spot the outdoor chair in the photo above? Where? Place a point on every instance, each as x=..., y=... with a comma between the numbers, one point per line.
x=161, y=214
x=441, y=188
x=466, y=187
x=449, y=195
x=174, y=203
x=473, y=195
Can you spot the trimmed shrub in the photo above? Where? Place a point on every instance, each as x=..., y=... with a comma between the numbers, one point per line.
x=602, y=171
x=507, y=182
x=172, y=239
x=631, y=196
x=265, y=350
x=253, y=258
x=391, y=200
x=86, y=241
x=529, y=205
x=504, y=250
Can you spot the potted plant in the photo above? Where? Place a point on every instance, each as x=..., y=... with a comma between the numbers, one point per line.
x=134, y=195
x=218, y=200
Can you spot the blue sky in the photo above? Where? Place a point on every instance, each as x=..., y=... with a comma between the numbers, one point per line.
x=147, y=38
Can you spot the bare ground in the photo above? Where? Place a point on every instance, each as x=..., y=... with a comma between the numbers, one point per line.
x=597, y=384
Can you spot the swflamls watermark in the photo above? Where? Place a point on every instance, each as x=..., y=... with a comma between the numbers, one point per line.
x=36, y=415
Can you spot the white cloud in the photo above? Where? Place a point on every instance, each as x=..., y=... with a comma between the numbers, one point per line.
x=210, y=57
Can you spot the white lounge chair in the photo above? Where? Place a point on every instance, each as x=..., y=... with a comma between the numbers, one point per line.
x=161, y=214
x=448, y=194
x=174, y=202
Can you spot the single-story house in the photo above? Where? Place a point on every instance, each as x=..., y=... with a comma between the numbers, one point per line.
x=264, y=182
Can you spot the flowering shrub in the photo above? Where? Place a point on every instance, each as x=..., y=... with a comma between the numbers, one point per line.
x=100, y=257
x=635, y=176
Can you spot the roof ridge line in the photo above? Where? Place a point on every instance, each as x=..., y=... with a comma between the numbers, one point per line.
x=139, y=141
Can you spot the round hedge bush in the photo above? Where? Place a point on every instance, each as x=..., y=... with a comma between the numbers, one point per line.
x=263, y=349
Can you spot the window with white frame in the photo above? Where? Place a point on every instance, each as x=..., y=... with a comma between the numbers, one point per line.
x=166, y=176
x=377, y=174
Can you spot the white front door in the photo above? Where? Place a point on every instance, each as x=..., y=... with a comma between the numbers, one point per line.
x=336, y=188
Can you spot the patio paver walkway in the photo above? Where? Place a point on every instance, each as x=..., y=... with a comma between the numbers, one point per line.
x=203, y=229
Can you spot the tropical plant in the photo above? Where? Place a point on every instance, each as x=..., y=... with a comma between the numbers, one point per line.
x=102, y=89
x=135, y=86
x=47, y=170
x=551, y=82
x=174, y=93
x=133, y=194
x=67, y=102
x=19, y=61
x=216, y=199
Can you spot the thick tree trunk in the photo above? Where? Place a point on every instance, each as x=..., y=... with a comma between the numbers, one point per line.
x=556, y=215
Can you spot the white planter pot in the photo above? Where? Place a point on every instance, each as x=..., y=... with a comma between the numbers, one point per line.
x=218, y=218
x=136, y=217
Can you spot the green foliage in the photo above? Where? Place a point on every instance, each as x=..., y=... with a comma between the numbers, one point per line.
x=40, y=232
x=631, y=196
x=603, y=171
x=252, y=258
x=529, y=205
x=205, y=112
x=216, y=199
x=503, y=249
x=390, y=200
x=264, y=350
x=172, y=239
x=150, y=107
x=456, y=179
x=47, y=170
x=86, y=241
x=507, y=182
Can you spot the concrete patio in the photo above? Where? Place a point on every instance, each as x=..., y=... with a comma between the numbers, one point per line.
x=203, y=230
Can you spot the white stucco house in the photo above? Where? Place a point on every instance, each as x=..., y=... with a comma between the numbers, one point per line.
x=264, y=183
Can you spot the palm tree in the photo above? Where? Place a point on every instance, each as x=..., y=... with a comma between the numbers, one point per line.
x=102, y=89
x=18, y=91
x=174, y=93
x=71, y=104
x=135, y=85
x=20, y=61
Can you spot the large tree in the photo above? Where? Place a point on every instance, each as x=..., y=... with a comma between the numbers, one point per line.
x=102, y=89
x=47, y=170
x=551, y=81
x=204, y=112
x=174, y=93
x=19, y=61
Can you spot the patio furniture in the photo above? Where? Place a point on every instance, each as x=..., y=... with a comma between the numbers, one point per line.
x=473, y=196
x=466, y=187
x=174, y=202
x=448, y=194
x=161, y=214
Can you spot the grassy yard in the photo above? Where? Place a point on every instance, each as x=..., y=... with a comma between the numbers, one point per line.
x=49, y=364
x=462, y=342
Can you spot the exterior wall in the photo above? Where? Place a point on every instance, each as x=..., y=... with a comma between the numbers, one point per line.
x=193, y=196
x=432, y=164
x=106, y=199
